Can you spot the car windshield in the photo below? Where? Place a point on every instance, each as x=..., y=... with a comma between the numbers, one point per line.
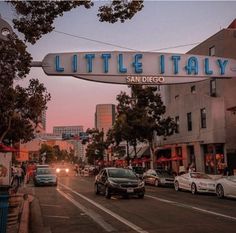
x=121, y=173
x=45, y=171
x=138, y=170
x=200, y=176
x=163, y=173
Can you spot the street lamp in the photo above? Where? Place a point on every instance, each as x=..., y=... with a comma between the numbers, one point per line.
x=5, y=29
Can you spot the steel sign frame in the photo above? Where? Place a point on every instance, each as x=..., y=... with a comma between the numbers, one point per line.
x=146, y=68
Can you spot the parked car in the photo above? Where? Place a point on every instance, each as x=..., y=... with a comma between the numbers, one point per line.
x=62, y=170
x=158, y=177
x=111, y=181
x=45, y=176
x=195, y=182
x=226, y=187
x=139, y=171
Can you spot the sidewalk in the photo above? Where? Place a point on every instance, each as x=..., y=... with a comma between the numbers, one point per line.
x=24, y=213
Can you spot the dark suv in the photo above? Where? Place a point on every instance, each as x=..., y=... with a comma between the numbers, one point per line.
x=121, y=181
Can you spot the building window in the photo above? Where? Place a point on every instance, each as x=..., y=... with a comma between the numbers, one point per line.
x=177, y=124
x=189, y=121
x=213, y=87
x=203, y=118
x=212, y=51
x=193, y=89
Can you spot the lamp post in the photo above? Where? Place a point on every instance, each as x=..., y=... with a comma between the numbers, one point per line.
x=5, y=29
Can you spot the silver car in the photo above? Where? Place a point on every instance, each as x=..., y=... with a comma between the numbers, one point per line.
x=158, y=177
x=195, y=182
x=226, y=187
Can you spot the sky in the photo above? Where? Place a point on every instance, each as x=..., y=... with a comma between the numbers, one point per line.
x=160, y=26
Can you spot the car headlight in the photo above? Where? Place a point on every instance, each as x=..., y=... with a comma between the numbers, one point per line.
x=67, y=170
x=141, y=184
x=58, y=170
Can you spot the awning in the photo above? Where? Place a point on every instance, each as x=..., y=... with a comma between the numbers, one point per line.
x=176, y=158
x=4, y=148
x=162, y=160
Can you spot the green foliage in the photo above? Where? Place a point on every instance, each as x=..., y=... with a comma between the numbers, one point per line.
x=96, y=147
x=37, y=17
x=55, y=154
x=119, y=10
x=141, y=115
x=20, y=107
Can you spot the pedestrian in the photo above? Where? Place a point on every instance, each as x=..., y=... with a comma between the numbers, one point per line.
x=20, y=174
x=76, y=169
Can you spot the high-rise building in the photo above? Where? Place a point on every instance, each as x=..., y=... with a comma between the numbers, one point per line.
x=104, y=117
x=72, y=130
x=72, y=134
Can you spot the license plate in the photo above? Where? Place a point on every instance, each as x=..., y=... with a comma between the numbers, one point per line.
x=130, y=190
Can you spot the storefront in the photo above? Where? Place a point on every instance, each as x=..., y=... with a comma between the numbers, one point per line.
x=214, y=158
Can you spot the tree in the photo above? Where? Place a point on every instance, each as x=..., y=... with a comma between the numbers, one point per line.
x=37, y=17
x=20, y=108
x=140, y=116
x=153, y=119
x=96, y=147
x=127, y=121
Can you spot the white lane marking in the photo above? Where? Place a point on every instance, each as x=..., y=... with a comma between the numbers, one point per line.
x=50, y=205
x=96, y=218
x=114, y=215
x=56, y=216
x=192, y=207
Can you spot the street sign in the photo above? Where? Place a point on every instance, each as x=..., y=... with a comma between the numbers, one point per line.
x=137, y=67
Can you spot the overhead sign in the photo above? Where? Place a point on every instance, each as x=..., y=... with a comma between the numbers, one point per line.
x=138, y=67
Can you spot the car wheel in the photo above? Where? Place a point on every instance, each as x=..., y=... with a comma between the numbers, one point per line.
x=141, y=195
x=156, y=182
x=96, y=189
x=193, y=188
x=220, y=191
x=176, y=186
x=107, y=193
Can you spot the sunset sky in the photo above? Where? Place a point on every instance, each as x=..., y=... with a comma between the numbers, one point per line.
x=160, y=26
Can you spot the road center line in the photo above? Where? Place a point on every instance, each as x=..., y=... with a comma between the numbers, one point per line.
x=192, y=207
x=96, y=218
x=56, y=216
x=114, y=215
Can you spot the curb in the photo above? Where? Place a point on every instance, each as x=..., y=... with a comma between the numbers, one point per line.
x=36, y=219
x=24, y=220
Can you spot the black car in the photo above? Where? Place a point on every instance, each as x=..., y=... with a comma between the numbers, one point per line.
x=118, y=181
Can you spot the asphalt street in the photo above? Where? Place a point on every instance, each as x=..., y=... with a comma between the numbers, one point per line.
x=73, y=207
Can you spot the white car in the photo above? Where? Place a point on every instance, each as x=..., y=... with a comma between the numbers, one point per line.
x=195, y=182
x=226, y=187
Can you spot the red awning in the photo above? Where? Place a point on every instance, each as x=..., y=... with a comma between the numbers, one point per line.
x=176, y=158
x=4, y=148
x=162, y=160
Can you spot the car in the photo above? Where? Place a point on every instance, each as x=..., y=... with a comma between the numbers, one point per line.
x=226, y=187
x=118, y=181
x=139, y=171
x=158, y=177
x=62, y=170
x=45, y=176
x=195, y=182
